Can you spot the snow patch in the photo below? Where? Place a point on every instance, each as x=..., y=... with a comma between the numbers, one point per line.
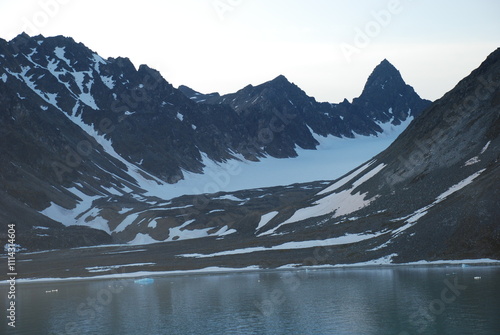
x=130, y=219
x=4, y=77
x=341, y=203
x=458, y=186
x=60, y=52
x=472, y=161
x=97, y=61
x=141, y=239
x=228, y=197
x=346, y=239
x=485, y=147
x=185, y=234
x=385, y=260
x=225, y=231
x=75, y=215
x=108, y=81
x=344, y=180
x=264, y=219
x=111, y=267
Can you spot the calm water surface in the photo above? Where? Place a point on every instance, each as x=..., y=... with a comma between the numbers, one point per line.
x=399, y=301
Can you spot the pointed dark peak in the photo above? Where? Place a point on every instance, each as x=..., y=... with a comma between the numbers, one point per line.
x=20, y=42
x=280, y=79
x=22, y=35
x=280, y=83
x=385, y=79
x=384, y=72
x=385, y=62
x=25, y=36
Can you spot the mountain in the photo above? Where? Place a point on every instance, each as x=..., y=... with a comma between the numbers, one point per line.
x=281, y=111
x=432, y=195
x=83, y=139
x=386, y=97
x=92, y=149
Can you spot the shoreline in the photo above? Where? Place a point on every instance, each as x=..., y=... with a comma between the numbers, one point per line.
x=250, y=269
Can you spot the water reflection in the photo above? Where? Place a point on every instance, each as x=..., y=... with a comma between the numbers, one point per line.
x=397, y=301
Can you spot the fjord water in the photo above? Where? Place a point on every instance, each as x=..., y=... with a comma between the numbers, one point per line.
x=389, y=300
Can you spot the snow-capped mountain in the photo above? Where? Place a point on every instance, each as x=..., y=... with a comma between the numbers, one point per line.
x=89, y=156
x=80, y=132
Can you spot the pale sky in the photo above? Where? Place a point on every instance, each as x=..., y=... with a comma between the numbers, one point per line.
x=326, y=47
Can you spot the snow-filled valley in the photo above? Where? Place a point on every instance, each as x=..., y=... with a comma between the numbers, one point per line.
x=333, y=158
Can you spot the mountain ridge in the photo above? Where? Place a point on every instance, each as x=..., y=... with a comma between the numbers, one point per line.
x=113, y=166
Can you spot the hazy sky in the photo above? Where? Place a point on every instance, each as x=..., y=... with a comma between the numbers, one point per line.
x=327, y=47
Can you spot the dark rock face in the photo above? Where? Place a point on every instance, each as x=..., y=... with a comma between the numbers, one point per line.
x=386, y=97
x=284, y=116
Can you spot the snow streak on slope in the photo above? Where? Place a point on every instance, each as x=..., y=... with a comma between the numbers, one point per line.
x=346, y=239
x=339, y=203
x=415, y=216
x=265, y=219
x=77, y=215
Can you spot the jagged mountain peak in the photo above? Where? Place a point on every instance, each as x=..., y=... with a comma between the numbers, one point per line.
x=280, y=83
x=281, y=79
x=384, y=76
x=386, y=96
